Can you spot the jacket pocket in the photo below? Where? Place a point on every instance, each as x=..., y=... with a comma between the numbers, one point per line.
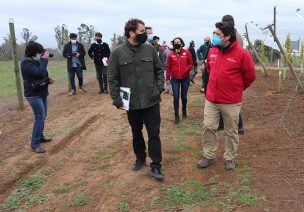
x=154, y=93
x=125, y=66
x=147, y=63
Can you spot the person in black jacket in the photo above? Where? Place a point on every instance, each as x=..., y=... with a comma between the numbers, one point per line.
x=100, y=52
x=193, y=71
x=75, y=52
x=35, y=81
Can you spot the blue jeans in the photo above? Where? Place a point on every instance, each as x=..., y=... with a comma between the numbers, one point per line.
x=78, y=71
x=177, y=85
x=39, y=107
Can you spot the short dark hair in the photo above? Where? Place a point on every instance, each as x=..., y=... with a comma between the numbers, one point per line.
x=155, y=37
x=73, y=35
x=148, y=27
x=32, y=48
x=181, y=40
x=131, y=26
x=98, y=34
x=228, y=18
x=227, y=28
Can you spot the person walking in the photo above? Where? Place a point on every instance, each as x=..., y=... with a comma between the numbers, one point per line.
x=231, y=71
x=136, y=66
x=179, y=64
x=74, y=52
x=193, y=71
x=100, y=52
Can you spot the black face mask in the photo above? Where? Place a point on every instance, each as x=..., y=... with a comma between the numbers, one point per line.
x=177, y=46
x=98, y=40
x=141, y=38
x=207, y=43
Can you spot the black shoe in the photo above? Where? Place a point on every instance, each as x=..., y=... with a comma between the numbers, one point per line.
x=138, y=165
x=184, y=114
x=157, y=174
x=38, y=150
x=220, y=128
x=241, y=131
x=45, y=140
x=176, y=121
x=106, y=91
x=100, y=92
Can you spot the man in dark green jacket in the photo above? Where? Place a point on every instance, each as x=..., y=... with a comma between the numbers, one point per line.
x=136, y=65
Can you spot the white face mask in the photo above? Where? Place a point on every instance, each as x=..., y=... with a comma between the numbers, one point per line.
x=73, y=41
x=37, y=57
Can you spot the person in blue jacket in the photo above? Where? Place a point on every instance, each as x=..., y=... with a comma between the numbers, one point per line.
x=36, y=80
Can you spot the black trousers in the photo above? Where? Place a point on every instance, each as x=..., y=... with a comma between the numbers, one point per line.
x=151, y=118
x=102, y=76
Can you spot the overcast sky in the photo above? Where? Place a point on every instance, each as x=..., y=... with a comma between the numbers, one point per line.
x=189, y=19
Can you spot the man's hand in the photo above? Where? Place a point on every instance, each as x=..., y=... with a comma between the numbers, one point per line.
x=51, y=80
x=121, y=108
x=77, y=54
x=46, y=55
x=168, y=82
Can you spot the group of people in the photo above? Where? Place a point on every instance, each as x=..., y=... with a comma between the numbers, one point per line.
x=99, y=52
x=146, y=68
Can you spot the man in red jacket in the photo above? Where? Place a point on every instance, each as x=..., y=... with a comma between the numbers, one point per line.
x=231, y=71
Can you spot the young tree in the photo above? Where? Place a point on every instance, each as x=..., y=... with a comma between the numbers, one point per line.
x=288, y=49
x=86, y=34
x=114, y=41
x=27, y=36
x=302, y=52
x=59, y=36
x=262, y=53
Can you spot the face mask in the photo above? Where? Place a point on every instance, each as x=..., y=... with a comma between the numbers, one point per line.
x=141, y=38
x=73, y=41
x=207, y=43
x=98, y=40
x=177, y=46
x=216, y=40
x=150, y=38
x=37, y=57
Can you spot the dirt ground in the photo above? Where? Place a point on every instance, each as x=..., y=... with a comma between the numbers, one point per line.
x=87, y=166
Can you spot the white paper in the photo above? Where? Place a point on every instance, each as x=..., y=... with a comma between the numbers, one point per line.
x=125, y=94
x=105, y=61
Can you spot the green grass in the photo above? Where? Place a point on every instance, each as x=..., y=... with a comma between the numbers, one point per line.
x=24, y=193
x=57, y=69
x=66, y=188
x=107, y=154
x=81, y=200
x=188, y=193
x=123, y=204
x=181, y=146
x=175, y=157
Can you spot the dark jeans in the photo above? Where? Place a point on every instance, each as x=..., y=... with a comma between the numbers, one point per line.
x=205, y=79
x=221, y=124
x=102, y=76
x=151, y=118
x=177, y=85
x=39, y=107
x=193, y=72
x=78, y=71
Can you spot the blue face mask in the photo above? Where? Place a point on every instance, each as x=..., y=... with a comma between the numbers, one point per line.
x=216, y=40
x=150, y=38
x=37, y=57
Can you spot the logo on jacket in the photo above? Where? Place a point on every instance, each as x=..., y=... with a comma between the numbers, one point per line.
x=232, y=60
